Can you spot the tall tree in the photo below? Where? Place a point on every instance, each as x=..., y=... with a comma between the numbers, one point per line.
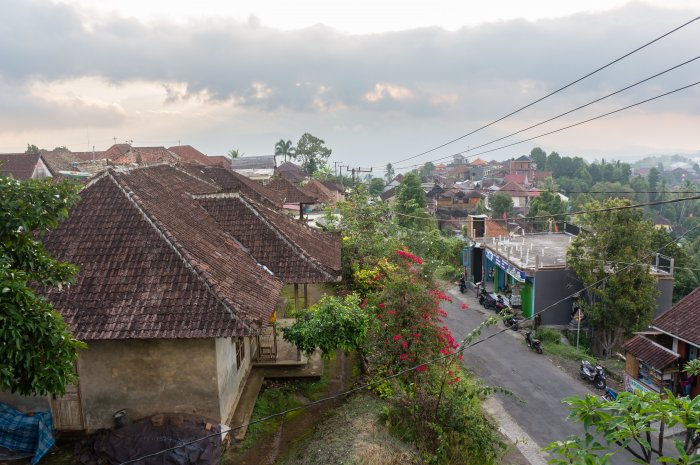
x=31, y=148
x=539, y=156
x=234, y=153
x=410, y=200
x=427, y=169
x=376, y=186
x=547, y=203
x=389, y=174
x=285, y=148
x=620, y=298
x=653, y=180
x=37, y=351
x=312, y=152
x=501, y=203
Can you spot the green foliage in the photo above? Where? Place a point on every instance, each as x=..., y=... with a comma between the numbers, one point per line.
x=630, y=422
x=331, y=324
x=612, y=240
x=285, y=149
x=37, y=351
x=389, y=173
x=501, y=203
x=31, y=148
x=410, y=200
x=312, y=152
x=427, y=169
x=376, y=187
x=547, y=203
x=234, y=153
x=548, y=335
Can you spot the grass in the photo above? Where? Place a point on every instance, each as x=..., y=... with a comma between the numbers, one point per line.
x=567, y=351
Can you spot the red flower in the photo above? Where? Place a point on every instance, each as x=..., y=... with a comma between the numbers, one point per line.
x=397, y=337
x=403, y=356
x=465, y=306
x=381, y=305
x=422, y=368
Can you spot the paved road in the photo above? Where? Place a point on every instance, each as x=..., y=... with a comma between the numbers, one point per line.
x=537, y=384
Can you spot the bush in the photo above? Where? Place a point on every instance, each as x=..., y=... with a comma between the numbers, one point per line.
x=448, y=272
x=548, y=335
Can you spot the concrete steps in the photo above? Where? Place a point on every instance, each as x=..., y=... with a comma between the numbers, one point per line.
x=244, y=409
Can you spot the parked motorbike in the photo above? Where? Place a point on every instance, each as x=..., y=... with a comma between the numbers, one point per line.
x=610, y=394
x=593, y=373
x=509, y=319
x=462, y=285
x=534, y=344
x=500, y=304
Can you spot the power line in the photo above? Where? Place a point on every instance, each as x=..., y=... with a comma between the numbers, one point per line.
x=551, y=93
x=565, y=127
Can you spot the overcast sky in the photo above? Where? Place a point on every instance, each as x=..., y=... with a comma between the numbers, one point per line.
x=378, y=80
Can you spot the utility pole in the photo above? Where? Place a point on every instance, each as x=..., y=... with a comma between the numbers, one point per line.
x=335, y=167
x=357, y=170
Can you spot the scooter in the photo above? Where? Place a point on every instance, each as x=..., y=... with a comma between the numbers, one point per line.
x=534, y=344
x=509, y=319
x=500, y=304
x=610, y=394
x=593, y=373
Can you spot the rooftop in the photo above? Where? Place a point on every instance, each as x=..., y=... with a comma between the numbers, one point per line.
x=531, y=251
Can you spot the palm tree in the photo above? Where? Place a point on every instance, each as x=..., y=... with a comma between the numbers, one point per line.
x=389, y=175
x=285, y=148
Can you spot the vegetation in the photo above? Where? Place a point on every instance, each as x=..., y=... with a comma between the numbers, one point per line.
x=36, y=348
x=611, y=241
x=285, y=149
x=376, y=186
x=501, y=204
x=634, y=422
x=234, y=153
x=312, y=152
x=389, y=173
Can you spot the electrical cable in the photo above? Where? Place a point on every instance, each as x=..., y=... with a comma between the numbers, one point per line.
x=577, y=108
x=565, y=127
x=553, y=92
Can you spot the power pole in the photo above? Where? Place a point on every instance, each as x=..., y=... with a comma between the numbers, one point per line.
x=357, y=170
x=335, y=167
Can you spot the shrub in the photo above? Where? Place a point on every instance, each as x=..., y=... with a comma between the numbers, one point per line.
x=549, y=335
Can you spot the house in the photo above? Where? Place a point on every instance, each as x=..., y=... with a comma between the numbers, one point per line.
x=654, y=358
x=337, y=189
x=388, y=195
x=169, y=303
x=396, y=180
x=522, y=165
x=294, y=197
x=321, y=192
x=82, y=166
x=258, y=168
x=24, y=166
x=187, y=153
x=661, y=222
x=535, y=265
x=518, y=193
x=292, y=172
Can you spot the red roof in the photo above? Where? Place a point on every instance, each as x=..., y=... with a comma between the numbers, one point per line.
x=154, y=264
x=516, y=178
x=650, y=352
x=478, y=162
x=514, y=190
x=189, y=153
x=18, y=165
x=683, y=319
x=290, y=192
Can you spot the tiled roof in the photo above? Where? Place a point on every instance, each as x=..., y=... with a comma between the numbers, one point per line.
x=294, y=252
x=189, y=153
x=292, y=172
x=650, y=352
x=64, y=160
x=145, y=155
x=334, y=186
x=661, y=221
x=230, y=181
x=523, y=158
x=683, y=319
x=321, y=192
x=478, y=162
x=513, y=189
x=542, y=175
x=516, y=178
x=388, y=194
x=18, y=165
x=154, y=264
x=289, y=192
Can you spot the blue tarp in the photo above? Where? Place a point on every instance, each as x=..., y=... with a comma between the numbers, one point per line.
x=21, y=432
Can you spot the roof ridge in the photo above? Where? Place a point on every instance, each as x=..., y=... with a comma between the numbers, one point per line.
x=132, y=197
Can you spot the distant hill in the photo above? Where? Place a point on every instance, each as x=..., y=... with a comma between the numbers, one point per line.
x=669, y=162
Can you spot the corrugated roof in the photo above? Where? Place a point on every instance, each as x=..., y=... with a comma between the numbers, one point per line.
x=650, y=352
x=254, y=163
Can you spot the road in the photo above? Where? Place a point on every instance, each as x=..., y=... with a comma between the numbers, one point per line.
x=538, y=386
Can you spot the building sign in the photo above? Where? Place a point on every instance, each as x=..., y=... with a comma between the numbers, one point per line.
x=505, y=266
x=632, y=385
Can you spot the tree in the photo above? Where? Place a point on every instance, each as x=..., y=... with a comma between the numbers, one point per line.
x=389, y=174
x=633, y=422
x=37, y=351
x=410, y=200
x=312, y=152
x=427, y=169
x=653, y=180
x=234, y=153
x=285, y=149
x=539, y=156
x=332, y=324
x=31, y=148
x=547, y=203
x=620, y=298
x=376, y=186
x=501, y=203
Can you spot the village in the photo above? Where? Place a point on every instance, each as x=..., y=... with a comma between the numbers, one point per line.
x=196, y=277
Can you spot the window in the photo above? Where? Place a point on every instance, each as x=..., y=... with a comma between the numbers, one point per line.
x=240, y=351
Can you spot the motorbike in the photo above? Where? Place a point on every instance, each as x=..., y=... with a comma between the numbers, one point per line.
x=610, y=394
x=500, y=304
x=509, y=319
x=462, y=285
x=534, y=344
x=593, y=373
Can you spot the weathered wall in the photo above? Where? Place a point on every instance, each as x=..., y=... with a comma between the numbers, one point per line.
x=664, y=300
x=552, y=286
x=230, y=378
x=25, y=403
x=148, y=377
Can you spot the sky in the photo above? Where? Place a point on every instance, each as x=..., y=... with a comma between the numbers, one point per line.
x=379, y=81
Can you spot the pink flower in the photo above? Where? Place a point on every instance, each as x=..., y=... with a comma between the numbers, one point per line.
x=465, y=306
x=422, y=368
x=403, y=356
x=404, y=344
x=460, y=357
x=397, y=337
x=416, y=335
x=381, y=305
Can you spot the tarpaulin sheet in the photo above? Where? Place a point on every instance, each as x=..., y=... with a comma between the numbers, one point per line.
x=169, y=437
x=26, y=433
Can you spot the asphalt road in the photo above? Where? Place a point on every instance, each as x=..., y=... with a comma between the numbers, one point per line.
x=538, y=386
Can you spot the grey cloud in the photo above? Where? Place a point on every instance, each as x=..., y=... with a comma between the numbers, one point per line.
x=481, y=66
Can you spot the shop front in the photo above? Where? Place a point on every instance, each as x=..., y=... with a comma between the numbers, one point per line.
x=649, y=366
x=504, y=277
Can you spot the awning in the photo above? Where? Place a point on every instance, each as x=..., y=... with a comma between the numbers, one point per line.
x=648, y=351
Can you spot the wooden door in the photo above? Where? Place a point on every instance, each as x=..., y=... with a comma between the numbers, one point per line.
x=66, y=409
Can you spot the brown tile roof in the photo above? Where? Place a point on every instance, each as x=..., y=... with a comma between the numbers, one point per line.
x=144, y=155
x=292, y=172
x=334, y=186
x=230, y=181
x=294, y=252
x=321, y=192
x=220, y=160
x=513, y=189
x=189, y=153
x=154, y=264
x=683, y=319
x=289, y=192
x=64, y=160
x=18, y=165
x=650, y=352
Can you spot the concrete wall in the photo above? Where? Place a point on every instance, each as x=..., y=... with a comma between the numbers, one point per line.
x=664, y=300
x=230, y=378
x=148, y=377
x=550, y=287
x=25, y=403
